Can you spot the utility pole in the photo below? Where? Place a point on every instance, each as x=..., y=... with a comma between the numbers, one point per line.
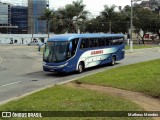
x=48, y=21
x=32, y=29
x=131, y=25
x=110, y=24
x=131, y=28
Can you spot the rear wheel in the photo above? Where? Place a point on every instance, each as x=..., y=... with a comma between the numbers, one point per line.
x=113, y=60
x=80, y=67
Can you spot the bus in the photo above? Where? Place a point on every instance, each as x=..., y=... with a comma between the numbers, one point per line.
x=76, y=52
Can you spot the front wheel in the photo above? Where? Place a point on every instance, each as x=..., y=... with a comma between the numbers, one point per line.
x=80, y=68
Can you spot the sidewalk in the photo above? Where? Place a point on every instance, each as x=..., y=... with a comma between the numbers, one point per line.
x=141, y=50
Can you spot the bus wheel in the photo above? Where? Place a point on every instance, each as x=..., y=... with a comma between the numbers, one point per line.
x=80, y=67
x=113, y=60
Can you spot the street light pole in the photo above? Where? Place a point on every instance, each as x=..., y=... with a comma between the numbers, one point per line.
x=32, y=29
x=48, y=23
x=110, y=24
x=131, y=28
x=131, y=25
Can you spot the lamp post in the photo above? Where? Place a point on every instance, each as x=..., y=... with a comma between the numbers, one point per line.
x=32, y=28
x=131, y=26
x=48, y=23
x=110, y=24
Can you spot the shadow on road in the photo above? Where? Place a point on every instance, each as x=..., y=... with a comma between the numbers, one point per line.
x=42, y=74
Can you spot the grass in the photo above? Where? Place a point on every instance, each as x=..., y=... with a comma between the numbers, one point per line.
x=127, y=47
x=143, y=77
x=65, y=98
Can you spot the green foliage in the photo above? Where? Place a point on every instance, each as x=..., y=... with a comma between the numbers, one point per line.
x=65, y=98
x=73, y=18
x=70, y=18
x=47, y=15
x=109, y=12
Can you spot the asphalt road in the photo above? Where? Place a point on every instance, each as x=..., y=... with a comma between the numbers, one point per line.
x=21, y=70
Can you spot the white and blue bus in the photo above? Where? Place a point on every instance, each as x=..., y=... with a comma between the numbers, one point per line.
x=75, y=52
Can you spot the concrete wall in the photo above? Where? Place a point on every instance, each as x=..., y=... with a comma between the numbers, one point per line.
x=21, y=38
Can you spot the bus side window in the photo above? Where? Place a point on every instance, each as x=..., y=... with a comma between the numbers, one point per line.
x=110, y=40
x=74, y=43
x=87, y=43
x=95, y=42
x=115, y=41
x=103, y=42
x=82, y=46
x=100, y=42
x=91, y=43
x=107, y=41
x=121, y=40
x=84, y=43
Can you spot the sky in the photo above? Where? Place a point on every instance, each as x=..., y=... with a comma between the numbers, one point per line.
x=93, y=6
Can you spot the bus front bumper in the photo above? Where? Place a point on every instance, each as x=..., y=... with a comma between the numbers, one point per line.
x=57, y=68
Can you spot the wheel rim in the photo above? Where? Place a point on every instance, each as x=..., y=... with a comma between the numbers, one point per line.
x=113, y=60
x=80, y=68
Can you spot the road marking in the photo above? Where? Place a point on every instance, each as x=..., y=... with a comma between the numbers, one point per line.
x=10, y=84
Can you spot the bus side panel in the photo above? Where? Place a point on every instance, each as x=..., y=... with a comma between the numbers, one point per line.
x=120, y=53
x=72, y=64
x=95, y=57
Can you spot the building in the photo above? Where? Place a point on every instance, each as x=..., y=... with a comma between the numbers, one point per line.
x=5, y=17
x=36, y=9
x=19, y=17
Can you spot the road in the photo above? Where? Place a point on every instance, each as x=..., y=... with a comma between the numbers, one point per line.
x=21, y=70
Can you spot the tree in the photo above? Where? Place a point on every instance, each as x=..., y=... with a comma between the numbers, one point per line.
x=146, y=20
x=120, y=23
x=71, y=18
x=93, y=25
x=47, y=16
x=109, y=13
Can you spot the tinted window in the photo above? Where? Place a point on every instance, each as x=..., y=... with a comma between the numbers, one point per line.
x=121, y=40
x=85, y=43
x=98, y=42
x=101, y=42
x=74, y=44
x=115, y=41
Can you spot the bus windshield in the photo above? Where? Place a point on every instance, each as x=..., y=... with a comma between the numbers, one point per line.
x=55, y=51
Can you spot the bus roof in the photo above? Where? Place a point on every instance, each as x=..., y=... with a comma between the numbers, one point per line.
x=66, y=37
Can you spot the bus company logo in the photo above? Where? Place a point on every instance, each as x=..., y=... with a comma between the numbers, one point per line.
x=6, y=114
x=97, y=52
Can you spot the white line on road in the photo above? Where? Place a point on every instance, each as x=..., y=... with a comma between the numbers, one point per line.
x=10, y=84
